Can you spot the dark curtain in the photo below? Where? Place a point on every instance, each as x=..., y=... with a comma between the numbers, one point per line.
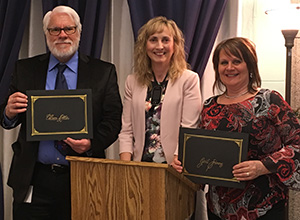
x=199, y=21
x=14, y=15
x=93, y=18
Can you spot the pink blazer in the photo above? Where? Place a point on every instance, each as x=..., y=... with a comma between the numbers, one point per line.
x=181, y=107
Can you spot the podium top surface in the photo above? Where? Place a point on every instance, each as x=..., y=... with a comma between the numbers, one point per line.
x=166, y=167
x=117, y=162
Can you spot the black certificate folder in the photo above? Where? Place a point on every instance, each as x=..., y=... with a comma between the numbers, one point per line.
x=58, y=114
x=208, y=156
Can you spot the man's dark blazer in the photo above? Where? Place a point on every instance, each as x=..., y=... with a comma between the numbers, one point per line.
x=100, y=76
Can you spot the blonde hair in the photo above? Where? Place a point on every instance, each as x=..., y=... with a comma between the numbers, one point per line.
x=142, y=63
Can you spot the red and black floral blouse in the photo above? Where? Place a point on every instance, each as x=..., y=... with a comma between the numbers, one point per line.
x=274, y=137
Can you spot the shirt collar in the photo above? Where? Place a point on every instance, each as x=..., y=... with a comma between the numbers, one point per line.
x=72, y=63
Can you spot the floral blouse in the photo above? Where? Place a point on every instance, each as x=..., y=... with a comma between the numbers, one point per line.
x=274, y=136
x=153, y=151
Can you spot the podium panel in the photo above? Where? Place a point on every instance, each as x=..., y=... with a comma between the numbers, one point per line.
x=127, y=190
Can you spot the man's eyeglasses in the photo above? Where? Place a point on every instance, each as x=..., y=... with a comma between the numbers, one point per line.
x=56, y=31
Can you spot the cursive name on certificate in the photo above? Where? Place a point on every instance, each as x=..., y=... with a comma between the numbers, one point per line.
x=52, y=117
x=210, y=163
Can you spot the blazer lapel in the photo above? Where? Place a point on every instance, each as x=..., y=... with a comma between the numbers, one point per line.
x=84, y=72
x=40, y=74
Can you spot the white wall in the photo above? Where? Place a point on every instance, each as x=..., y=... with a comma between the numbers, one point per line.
x=265, y=30
x=247, y=18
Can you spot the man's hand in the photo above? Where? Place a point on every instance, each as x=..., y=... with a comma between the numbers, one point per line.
x=79, y=146
x=16, y=104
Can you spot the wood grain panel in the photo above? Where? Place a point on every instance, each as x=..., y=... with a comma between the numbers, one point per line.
x=114, y=190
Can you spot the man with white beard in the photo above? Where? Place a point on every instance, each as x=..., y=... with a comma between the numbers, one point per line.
x=39, y=173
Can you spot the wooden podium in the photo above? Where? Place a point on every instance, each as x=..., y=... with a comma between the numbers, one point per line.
x=125, y=190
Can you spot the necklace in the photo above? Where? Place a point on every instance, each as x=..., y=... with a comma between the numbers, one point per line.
x=235, y=96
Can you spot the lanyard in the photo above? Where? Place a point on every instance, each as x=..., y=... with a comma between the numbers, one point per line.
x=156, y=80
x=157, y=91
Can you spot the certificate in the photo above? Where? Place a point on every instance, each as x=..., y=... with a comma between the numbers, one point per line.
x=58, y=114
x=208, y=156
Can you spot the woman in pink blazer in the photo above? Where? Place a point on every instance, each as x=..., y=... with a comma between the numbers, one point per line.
x=160, y=96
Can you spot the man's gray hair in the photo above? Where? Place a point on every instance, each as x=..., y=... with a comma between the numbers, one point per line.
x=62, y=9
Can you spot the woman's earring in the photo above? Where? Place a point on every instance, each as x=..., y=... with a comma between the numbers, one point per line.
x=251, y=75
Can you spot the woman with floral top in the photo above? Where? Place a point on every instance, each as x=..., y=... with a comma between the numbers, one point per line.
x=274, y=135
x=160, y=96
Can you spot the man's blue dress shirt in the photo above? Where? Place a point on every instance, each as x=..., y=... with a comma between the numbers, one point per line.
x=48, y=154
